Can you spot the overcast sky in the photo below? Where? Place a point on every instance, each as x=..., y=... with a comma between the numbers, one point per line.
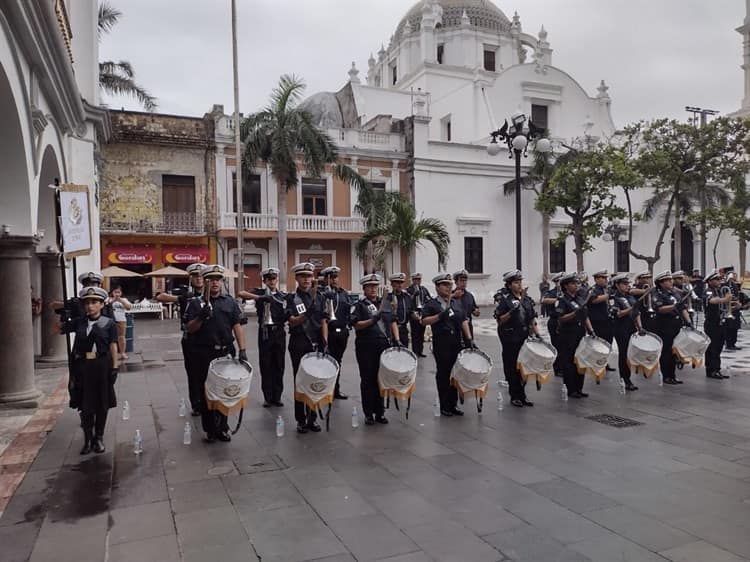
x=656, y=55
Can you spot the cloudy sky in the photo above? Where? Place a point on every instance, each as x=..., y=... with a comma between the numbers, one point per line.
x=656, y=55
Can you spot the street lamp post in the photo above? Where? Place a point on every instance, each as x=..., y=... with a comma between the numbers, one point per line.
x=612, y=232
x=516, y=136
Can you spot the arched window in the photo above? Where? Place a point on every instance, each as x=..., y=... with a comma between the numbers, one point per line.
x=686, y=252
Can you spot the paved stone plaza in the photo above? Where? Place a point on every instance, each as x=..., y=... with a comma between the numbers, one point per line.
x=542, y=484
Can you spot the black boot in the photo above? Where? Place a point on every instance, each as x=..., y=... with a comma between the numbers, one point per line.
x=87, y=438
x=98, y=444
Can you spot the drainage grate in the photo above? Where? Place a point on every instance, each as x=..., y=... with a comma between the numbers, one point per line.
x=613, y=421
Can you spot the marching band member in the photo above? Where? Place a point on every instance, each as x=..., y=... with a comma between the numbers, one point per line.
x=195, y=279
x=416, y=328
x=641, y=286
x=271, y=335
x=467, y=300
x=714, y=306
x=449, y=323
x=626, y=322
x=573, y=324
x=214, y=322
x=598, y=307
x=732, y=325
x=338, y=329
x=550, y=302
x=399, y=318
x=670, y=314
x=370, y=342
x=308, y=331
x=516, y=320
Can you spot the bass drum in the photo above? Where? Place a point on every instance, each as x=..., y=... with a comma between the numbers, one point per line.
x=316, y=380
x=228, y=385
x=592, y=355
x=537, y=359
x=643, y=353
x=397, y=375
x=690, y=346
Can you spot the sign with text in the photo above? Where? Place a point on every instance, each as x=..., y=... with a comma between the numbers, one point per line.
x=185, y=254
x=75, y=220
x=130, y=254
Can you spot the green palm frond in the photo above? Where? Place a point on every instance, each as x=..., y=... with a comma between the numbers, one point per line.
x=116, y=78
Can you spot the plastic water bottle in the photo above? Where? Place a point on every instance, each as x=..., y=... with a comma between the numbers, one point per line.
x=126, y=411
x=138, y=442
x=436, y=407
x=182, y=408
x=279, y=427
x=187, y=435
x=355, y=417
x=499, y=400
x=623, y=390
x=563, y=393
x=661, y=379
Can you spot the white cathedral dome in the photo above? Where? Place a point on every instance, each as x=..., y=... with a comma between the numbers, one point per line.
x=483, y=14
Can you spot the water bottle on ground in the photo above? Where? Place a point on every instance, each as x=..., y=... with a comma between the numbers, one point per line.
x=661, y=379
x=183, y=408
x=623, y=390
x=187, y=436
x=355, y=417
x=563, y=392
x=499, y=400
x=436, y=407
x=279, y=427
x=126, y=411
x=138, y=442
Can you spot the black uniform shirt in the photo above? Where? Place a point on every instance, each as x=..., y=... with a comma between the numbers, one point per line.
x=183, y=301
x=277, y=300
x=403, y=310
x=468, y=304
x=103, y=332
x=598, y=311
x=713, y=311
x=423, y=292
x=519, y=324
x=301, y=302
x=341, y=308
x=445, y=328
x=567, y=304
x=623, y=302
x=662, y=297
x=365, y=309
x=217, y=330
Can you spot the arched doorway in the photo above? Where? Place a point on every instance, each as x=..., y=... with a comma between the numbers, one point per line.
x=686, y=250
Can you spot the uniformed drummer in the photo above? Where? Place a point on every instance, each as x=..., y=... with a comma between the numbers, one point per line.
x=400, y=315
x=627, y=320
x=516, y=321
x=573, y=324
x=415, y=324
x=271, y=335
x=213, y=320
x=338, y=324
x=308, y=332
x=669, y=316
x=93, y=368
x=713, y=305
x=371, y=340
x=449, y=325
x=598, y=306
x=642, y=290
x=467, y=300
x=550, y=302
x=195, y=386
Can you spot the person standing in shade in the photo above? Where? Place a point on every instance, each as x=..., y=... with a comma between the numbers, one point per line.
x=627, y=320
x=415, y=324
x=573, y=324
x=449, y=324
x=271, y=335
x=370, y=341
x=308, y=332
x=119, y=306
x=195, y=290
x=338, y=329
x=670, y=314
x=598, y=307
x=400, y=315
x=714, y=304
x=213, y=320
x=516, y=321
x=467, y=300
x=93, y=368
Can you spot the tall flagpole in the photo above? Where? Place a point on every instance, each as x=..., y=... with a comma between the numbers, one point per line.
x=237, y=154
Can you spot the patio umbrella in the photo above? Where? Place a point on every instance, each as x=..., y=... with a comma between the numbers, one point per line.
x=114, y=271
x=168, y=271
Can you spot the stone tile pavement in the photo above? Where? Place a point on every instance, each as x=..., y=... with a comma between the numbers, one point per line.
x=541, y=484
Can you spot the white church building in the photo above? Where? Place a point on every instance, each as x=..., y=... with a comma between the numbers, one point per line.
x=453, y=71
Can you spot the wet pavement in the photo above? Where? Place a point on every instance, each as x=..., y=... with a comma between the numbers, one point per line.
x=536, y=484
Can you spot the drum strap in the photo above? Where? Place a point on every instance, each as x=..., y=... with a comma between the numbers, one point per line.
x=239, y=422
x=395, y=403
x=480, y=401
x=327, y=417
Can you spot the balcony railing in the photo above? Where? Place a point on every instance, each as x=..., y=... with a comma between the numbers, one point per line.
x=391, y=142
x=295, y=223
x=168, y=223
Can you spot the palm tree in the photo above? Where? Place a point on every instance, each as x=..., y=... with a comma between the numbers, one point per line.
x=400, y=228
x=118, y=78
x=376, y=206
x=283, y=136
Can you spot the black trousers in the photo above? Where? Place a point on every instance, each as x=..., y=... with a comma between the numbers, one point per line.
x=417, y=337
x=510, y=351
x=195, y=386
x=622, y=337
x=337, y=341
x=368, y=351
x=446, y=350
x=713, y=353
x=271, y=356
x=568, y=339
x=603, y=329
x=212, y=421
x=667, y=329
x=403, y=334
x=298, y=347
x=554, y=339
x=731, y=328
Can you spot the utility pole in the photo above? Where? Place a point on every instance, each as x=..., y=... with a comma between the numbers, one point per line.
x=704, y=113
x=237, y=155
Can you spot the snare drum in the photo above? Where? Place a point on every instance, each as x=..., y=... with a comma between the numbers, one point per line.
x=643, y=353
x=536, y=359
x=227, y=385
x=471, y=373
x=316, y=380
x=397, y=376
x=592, y=355
x=690, y=346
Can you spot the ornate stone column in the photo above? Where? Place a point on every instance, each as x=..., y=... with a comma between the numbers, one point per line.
x=53, y=343
x=16, y=335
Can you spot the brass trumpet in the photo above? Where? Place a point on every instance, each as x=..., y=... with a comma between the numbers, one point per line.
x=331, y=310
x=726, y=307
x=267, y=318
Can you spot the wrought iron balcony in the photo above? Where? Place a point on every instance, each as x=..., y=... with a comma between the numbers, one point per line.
x=295, y=223
x=168, y=223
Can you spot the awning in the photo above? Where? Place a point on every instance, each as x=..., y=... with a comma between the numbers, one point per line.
x=130, y=254
x=185, y=254
x=169, y=271
x=118, y=272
